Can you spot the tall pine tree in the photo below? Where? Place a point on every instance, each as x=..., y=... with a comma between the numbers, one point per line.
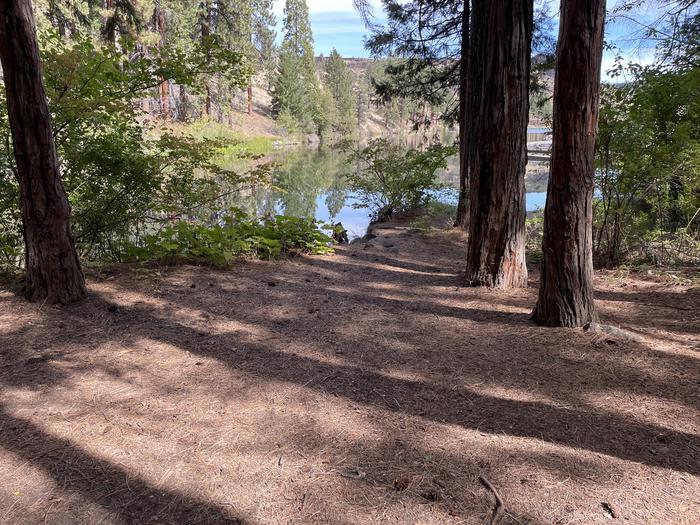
x=497, y=112
x=338, y=81
x=566, y=282
x=53, y=269
x=264, y=36
x=296, y=89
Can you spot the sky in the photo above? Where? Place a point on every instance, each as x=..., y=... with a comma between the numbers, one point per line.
x=336, y=24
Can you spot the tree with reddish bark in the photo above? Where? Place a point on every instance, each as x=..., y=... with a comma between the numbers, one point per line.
x=566, y=281
x=53, y=269
x=497, y=111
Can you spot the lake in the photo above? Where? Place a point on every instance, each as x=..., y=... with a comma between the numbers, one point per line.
x=311, y=183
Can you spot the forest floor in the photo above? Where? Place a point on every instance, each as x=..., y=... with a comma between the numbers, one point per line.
x=362, y=387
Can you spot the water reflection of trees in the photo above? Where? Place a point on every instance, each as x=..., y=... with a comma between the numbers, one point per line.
x=303, y=176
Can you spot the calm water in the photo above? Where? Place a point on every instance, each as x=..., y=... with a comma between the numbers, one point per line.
x=311, y=184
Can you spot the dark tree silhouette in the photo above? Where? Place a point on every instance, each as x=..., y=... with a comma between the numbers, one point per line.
x=53, y=269
x=566, y=283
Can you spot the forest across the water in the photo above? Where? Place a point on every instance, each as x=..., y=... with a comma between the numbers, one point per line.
x=349, y=262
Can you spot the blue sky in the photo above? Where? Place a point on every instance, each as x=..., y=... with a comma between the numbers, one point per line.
x=340, y=29
x=336, y=24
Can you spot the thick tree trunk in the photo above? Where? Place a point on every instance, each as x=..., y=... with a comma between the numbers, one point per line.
x=53, y=269
x=462, y=219
x=498, y=106
x=566, y=283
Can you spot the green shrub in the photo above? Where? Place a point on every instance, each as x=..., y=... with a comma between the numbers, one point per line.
x=236, y=236
x=534, y=230
x=656, y=247
x=11, y=242
x=648, y=167
x=390, y=180
x=121, y=173
x=289, y=122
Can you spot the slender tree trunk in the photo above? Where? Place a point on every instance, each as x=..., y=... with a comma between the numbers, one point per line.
x=206, y=33
x=566, y=284
x=164, y=88
x=165, y=99
x=462, y=218
x=182, y=114
x=250, y=97
x=207, y=100
x=112, y=28
x=53, y=269
x=499, y=71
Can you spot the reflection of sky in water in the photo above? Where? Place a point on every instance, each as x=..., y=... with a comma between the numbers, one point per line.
x=535, y=200
x=356, y=220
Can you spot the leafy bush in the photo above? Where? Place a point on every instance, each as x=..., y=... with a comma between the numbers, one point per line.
x=390, y=180
x=667, y=249
x=234, y=237
x=534, y=230
x=121, y=173
x=648, y=165
x=288, y=122
x=10, y=239
x=10, y=219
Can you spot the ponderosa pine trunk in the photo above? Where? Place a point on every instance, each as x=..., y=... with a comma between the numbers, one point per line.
x=566, y=281
x=462, y=219
x=498, y=107
x=164, y=93
x=164, y=87
x=53, y=270
x=183, y=109
x=205, y=34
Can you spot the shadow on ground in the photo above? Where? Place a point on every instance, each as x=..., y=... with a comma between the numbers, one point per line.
x=391, y=387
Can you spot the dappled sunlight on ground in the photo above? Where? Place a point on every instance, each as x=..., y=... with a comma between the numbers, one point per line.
x=368, y=386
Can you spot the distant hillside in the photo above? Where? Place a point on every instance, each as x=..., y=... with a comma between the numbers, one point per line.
x=377, y=119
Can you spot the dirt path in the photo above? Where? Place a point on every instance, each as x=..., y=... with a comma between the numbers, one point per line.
x=364, y=387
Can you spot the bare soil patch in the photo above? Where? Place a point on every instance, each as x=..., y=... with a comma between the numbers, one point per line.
x=364, y=387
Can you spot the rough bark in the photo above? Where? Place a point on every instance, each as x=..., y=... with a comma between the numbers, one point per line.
x=53, y=270
x=462, y=219
x=566, y=282
x=498, y=106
